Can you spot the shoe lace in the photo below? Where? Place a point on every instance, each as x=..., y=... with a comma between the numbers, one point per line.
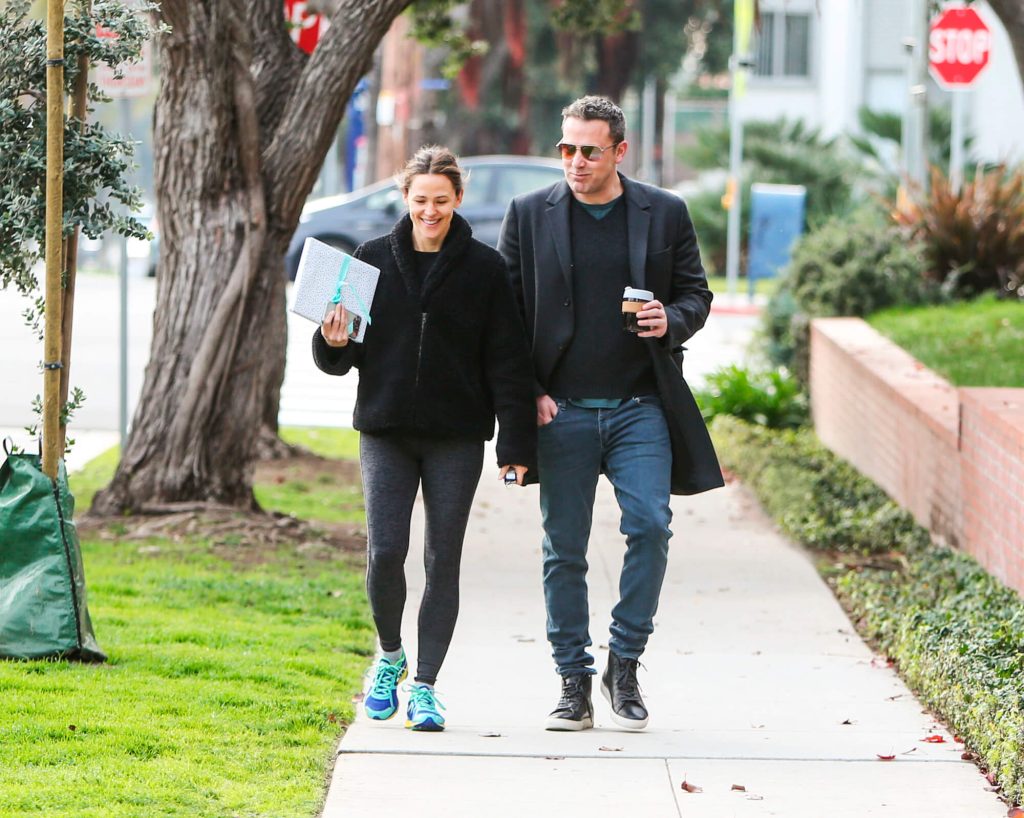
x=572, y=689
x=424, y=698
x=626, y=681
x=386, y=678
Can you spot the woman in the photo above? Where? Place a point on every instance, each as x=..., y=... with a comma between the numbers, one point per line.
x=445, y=353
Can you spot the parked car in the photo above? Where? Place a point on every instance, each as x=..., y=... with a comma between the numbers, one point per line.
x=347, y=220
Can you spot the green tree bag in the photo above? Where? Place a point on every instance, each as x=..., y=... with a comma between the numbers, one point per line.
x=43, y=611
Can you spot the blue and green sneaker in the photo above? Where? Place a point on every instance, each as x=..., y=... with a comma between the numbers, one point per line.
x=381, y=701
x=423, y=713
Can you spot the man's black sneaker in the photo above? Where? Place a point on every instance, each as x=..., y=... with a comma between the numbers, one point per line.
x=622, y=691
x=575, y=710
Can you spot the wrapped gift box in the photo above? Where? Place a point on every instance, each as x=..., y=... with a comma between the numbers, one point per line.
x=327, y=275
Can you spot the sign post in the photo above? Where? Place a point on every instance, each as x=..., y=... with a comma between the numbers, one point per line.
x=959, y=49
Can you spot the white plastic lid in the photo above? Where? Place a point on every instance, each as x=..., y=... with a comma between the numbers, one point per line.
x=639, y=295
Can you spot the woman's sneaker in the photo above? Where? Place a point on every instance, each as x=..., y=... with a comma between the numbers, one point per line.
x=381, y=701
x=423, y=712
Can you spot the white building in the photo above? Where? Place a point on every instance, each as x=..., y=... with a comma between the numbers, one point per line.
x=821, y=60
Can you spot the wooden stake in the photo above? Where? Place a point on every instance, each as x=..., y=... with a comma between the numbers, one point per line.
x=79, y=112
x=52, y=451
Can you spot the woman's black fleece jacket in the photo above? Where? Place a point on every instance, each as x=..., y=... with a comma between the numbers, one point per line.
x=443, y=360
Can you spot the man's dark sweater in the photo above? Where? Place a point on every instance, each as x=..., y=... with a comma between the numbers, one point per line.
x=603, y=360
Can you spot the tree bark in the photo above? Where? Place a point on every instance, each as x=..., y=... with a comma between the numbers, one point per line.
x=242, y=124
x=1011, y=15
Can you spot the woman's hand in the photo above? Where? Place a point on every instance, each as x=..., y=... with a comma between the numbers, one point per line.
x=335, y=327
x=520, y=473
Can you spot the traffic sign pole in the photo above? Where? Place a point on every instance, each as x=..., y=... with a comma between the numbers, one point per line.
x=959, y=49
x=956, y=151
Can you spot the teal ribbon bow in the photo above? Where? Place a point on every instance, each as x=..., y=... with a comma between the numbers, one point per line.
x=343, y=282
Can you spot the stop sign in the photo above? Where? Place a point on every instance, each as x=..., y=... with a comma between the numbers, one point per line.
x=959, y=45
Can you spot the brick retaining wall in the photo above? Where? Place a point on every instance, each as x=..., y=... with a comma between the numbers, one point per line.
x=953, y=457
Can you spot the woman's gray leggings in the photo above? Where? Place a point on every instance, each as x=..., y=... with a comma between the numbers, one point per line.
x=393, y=467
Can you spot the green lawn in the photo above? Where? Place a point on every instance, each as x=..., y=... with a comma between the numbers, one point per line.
x=229, y=683
x=973, y=343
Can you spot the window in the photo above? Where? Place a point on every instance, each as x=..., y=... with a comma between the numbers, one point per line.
x=783, y=46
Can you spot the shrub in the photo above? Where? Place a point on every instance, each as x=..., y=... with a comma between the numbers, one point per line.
x=850, y=266
x=772, y=398
x=974, y=240
x=780, y=151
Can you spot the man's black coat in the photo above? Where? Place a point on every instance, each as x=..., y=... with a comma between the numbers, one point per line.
x=663, y=257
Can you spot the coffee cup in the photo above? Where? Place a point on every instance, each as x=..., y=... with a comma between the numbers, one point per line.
x=633, y=301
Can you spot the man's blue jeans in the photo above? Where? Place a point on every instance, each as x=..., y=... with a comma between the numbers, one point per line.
x=630, y=444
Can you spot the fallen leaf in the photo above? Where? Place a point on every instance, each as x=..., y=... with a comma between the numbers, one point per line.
x=357, y=698
x=332, y=718
x=1015, y=812
x=846, y=721
x=738, y=788
x=72, y=728
x=967, y=755
x=686, y=786
x=604, y=749
x=958, y=740
x=991, y=778
x=908, y=752
x=936, y=739
x=885, y=758
x=491, y=735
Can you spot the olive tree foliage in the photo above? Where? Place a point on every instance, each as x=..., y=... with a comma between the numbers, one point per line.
x=96, y=196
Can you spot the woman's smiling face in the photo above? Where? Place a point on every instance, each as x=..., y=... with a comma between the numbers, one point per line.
x=432, y=200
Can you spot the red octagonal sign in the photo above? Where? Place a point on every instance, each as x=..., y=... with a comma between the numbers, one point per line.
x=959, y=46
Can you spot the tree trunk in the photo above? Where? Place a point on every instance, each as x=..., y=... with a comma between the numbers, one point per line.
x=242, y=124
x=1011, y=15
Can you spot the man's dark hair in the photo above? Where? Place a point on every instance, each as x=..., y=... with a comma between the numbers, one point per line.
x=592, y=107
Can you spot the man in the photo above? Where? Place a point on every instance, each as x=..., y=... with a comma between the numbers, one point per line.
x=608, y=401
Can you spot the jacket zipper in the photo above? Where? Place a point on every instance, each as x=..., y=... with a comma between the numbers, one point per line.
x=419, y=356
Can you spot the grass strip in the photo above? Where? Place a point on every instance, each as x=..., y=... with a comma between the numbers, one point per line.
x=969, y=343
x=955, y=632
x=229, y=683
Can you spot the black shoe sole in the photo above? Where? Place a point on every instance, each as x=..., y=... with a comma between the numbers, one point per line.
x=622, y=721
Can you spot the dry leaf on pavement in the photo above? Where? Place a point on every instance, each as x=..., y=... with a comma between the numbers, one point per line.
x=688, y=787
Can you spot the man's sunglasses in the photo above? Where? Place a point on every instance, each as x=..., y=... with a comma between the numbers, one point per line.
x=591, y=153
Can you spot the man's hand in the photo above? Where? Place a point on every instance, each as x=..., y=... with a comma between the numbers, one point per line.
x=653, y=317
x=335, y=327
x=519, y=470
x=546, y=410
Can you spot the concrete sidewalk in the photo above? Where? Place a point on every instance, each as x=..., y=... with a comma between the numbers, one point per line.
x=754, y=677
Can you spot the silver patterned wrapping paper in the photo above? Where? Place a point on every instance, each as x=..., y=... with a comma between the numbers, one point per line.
x=316, y=284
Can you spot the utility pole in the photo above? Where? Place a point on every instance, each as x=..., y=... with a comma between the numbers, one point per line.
x=915, y=139
x=739, y=62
